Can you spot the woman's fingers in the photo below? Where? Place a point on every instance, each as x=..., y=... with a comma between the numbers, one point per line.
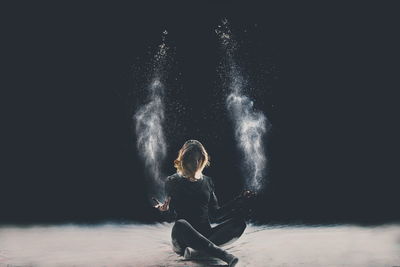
x=161, y=206
x=166, y=203
x=156, y=201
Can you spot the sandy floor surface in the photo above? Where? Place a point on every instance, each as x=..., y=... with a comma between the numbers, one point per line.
x=149, y=245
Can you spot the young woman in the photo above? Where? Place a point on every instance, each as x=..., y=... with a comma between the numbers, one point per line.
x=192, y=203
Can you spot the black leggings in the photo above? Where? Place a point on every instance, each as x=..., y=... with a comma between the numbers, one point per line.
x=184, y=235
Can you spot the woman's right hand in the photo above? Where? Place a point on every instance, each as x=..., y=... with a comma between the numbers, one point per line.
x=162, y=206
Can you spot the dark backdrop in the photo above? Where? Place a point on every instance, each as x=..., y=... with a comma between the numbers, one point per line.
x=325, y=75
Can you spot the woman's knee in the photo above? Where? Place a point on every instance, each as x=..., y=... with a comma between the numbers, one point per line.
x=181, y=223
x=240, y=225
x=178, y=236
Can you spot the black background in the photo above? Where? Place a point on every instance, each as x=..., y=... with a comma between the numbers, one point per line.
x=325, y=75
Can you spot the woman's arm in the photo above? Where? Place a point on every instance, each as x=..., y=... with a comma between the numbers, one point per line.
x=220, y=213
x=166, y=211
x=239, y=206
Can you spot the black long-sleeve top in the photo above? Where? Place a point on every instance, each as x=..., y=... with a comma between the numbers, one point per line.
x=194, y=201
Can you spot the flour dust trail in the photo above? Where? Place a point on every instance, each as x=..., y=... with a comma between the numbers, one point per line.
x=149, y=119
x=250, y=124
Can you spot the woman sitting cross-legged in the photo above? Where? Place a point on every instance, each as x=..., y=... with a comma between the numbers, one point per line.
x=191, y=202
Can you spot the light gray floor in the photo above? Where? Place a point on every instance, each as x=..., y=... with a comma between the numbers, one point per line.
x=149, y=245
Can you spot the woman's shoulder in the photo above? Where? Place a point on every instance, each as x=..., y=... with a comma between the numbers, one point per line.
x=209, y=181
x=171, y=183
x=173, y=178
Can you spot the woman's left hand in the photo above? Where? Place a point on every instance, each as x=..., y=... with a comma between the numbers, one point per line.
x=247, y=194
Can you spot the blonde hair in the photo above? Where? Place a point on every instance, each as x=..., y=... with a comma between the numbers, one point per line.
x=192, y=159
